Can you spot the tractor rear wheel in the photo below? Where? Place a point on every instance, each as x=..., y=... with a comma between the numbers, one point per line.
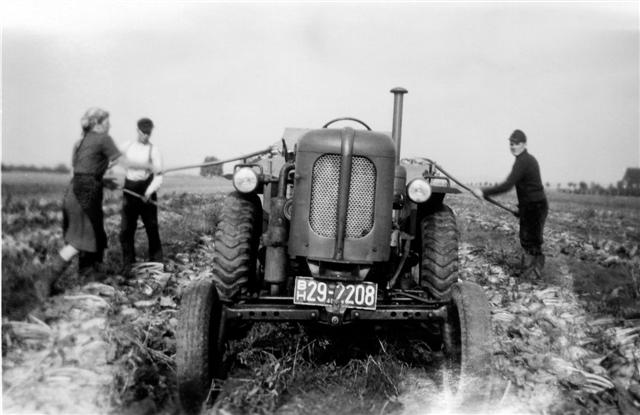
x=200, y=344
x=236, y=241
x=439, y=259
x=467, y=344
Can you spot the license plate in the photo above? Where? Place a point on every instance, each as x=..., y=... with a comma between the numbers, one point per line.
x=362, y=295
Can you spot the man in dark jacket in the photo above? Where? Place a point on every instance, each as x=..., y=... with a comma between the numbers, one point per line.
x=532, y=202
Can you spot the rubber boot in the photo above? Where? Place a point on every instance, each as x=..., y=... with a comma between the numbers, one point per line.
x=91, y=267
x=538, y=265
x=49, y=283
x=528, y=266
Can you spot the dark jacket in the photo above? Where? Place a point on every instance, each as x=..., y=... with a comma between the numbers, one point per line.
x=92, y=154
x=525, y=176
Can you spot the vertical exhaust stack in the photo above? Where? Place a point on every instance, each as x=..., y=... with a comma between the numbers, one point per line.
x=400, y=180
x=396, y=132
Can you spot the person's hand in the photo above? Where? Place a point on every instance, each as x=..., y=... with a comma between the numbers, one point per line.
x=275, y=149
x=109, y=183
x=147, y=196
x=478, y=193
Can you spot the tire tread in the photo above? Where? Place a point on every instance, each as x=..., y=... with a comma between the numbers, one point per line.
x=439, y=259
x=236, y=242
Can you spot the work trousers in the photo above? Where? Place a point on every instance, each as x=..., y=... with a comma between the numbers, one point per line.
x=532, y=218
x=132, y=208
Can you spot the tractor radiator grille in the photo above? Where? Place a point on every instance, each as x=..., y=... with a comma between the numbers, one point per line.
x=324, y=196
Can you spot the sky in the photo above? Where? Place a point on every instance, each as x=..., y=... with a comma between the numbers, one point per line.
x=225, y=79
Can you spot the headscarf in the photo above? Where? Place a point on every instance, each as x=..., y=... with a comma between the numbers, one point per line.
x=92, y=117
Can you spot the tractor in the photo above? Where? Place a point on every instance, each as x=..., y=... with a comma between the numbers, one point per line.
x=334, y=232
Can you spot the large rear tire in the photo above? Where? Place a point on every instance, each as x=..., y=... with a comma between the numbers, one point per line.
x=439, y=257
x=467, y=340
x=236, y=244
x=200, y=344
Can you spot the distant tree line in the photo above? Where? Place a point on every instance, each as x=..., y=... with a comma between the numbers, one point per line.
x=619, y=189
x=60, y=168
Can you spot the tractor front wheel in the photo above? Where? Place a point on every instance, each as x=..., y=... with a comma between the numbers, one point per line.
x=439, y=259
x=200, y=344
x=236, y=244
x=467, y=344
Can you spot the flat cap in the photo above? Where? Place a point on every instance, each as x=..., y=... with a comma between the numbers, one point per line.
x=518, y=137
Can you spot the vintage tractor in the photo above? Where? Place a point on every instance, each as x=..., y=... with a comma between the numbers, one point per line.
x=340, y=236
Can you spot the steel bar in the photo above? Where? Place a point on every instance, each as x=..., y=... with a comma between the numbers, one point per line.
x=453, y=179
x=500, y=205
x=291, y=312
x=215, y=163
x=488, y=199
x=139, y=196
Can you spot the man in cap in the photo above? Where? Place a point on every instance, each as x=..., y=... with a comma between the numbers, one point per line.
x=532, y=203
x=139, y=197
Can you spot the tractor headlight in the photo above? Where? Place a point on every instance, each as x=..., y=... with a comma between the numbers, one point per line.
x=418, y=190
x=245, y=180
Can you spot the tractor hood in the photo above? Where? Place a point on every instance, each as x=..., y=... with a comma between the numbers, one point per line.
x=342, y=214
x=329, y=140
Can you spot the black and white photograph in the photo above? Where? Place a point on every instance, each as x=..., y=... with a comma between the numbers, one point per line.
x=320, y=207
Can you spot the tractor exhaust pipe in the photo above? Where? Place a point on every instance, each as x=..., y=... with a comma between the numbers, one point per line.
x=400, y=180
x=396, y=132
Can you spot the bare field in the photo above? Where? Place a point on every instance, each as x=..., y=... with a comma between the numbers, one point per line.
x=32, y=184
x=566, y=344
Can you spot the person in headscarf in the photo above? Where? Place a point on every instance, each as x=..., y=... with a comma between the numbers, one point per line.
x=83, y=221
